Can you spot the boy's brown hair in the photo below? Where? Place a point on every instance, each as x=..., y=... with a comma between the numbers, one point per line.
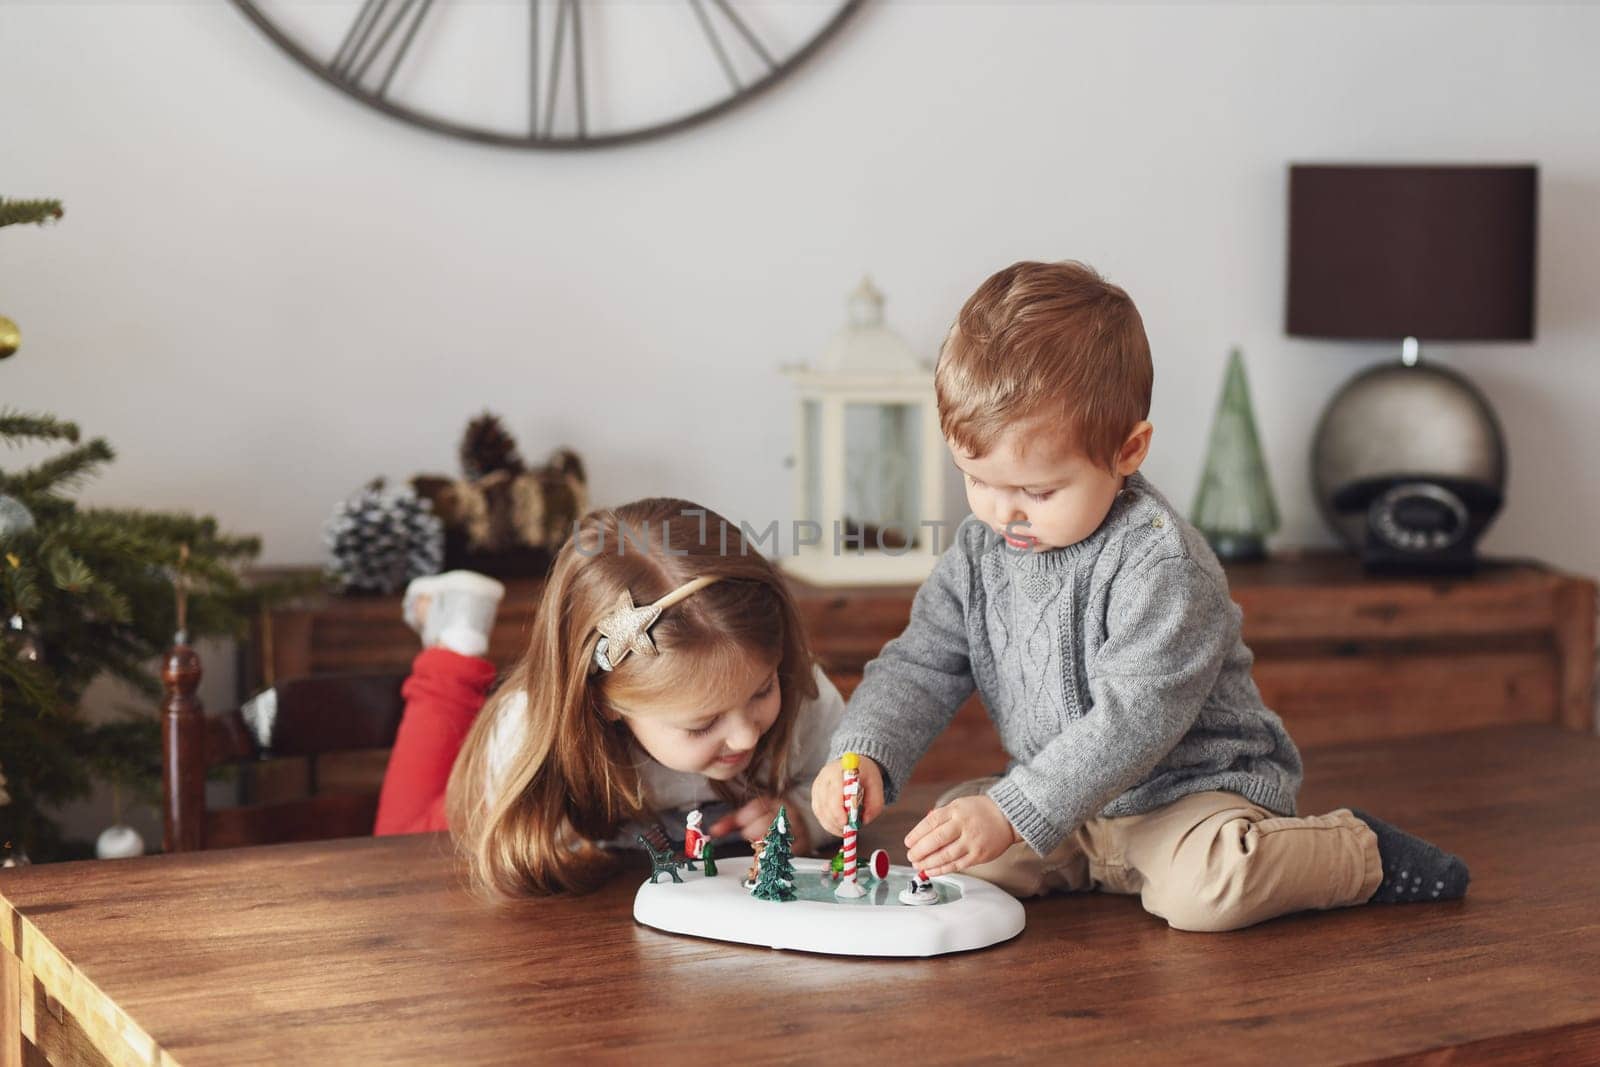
x=1050, y=342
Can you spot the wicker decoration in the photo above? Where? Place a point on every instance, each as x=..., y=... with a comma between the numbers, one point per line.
x=503, y=519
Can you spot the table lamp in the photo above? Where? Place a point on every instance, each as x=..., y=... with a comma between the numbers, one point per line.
x=1408, y=460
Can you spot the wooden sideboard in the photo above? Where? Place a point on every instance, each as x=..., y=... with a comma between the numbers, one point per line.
x=1342, y=656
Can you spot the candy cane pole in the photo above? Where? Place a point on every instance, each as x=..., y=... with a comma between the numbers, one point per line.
x=851, y=764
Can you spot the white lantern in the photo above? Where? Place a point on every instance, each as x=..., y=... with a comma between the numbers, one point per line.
x=870, y=491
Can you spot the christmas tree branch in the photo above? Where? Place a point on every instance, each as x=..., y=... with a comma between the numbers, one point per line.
x=92, y=537
x=30, y=682
x=134, y=673
x=21, y=594
x=170, y=530
x=119, y=750
x=67, y=469
x=18, y=426
x=38, y=212
x=69, y=573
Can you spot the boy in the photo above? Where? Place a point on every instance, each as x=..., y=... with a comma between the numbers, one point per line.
x=1097, y=626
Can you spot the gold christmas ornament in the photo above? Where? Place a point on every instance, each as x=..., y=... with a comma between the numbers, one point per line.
x=10, y=338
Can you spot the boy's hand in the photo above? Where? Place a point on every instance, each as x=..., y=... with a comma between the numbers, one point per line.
x=827, y=795
x=964, y=833
x=752, y=821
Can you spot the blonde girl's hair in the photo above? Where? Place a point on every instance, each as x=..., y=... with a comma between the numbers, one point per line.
x=528, y=812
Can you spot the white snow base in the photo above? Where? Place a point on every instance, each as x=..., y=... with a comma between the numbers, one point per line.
x=971, y=913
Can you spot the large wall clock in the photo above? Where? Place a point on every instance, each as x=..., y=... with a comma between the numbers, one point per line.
x=550, y=73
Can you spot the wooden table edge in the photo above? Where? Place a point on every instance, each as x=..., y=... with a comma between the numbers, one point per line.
x=109, y=1028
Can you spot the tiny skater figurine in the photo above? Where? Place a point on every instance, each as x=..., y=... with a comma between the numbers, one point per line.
x=920, y=891
x=708, y=855
x=754, y=872
x=836, y=866
x=694, y=839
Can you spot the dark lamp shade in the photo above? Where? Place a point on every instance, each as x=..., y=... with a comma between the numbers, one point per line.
x=1438, y=253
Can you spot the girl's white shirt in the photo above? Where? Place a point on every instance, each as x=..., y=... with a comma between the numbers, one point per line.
x=668, y=790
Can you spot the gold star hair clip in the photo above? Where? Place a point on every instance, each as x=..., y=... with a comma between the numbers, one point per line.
x=627, y=628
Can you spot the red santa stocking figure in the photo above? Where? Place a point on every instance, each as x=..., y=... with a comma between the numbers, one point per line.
x=694, y=839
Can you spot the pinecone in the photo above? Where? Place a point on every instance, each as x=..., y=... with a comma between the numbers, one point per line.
x=379, y=541
x=487, y=447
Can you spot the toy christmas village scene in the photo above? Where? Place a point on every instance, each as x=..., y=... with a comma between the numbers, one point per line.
x=839, y=908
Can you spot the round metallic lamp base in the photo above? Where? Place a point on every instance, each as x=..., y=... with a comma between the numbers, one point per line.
x=1397, y=425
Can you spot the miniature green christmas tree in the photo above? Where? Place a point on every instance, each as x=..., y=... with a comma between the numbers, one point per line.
x=775, y=880
x=1234, y=506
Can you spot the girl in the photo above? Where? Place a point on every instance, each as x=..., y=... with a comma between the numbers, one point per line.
x=667, y=668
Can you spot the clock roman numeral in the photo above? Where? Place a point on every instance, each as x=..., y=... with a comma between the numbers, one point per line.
x=357, y=36
x=568, y=13
x=374, y=26
x=545, y=63
x=715, y=41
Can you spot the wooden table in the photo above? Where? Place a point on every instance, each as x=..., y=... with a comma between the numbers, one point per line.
x=370, y=951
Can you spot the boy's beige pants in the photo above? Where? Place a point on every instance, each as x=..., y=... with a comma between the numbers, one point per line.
x=1207, y=862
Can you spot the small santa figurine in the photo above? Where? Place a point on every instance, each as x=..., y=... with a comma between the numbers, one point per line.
x=920, y=891
x=694, y=839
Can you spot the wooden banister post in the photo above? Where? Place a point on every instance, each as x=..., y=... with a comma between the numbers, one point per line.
x=183, y=751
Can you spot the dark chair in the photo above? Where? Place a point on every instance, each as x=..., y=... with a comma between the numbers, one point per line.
x=305, y=717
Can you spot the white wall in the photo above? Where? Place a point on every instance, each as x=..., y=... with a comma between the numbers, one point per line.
x=264, y=293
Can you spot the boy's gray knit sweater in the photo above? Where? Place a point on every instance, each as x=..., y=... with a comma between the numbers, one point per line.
x=1113, y=669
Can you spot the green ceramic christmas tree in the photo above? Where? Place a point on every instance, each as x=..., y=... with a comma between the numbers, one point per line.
x=775, y=877
x=1234, y=506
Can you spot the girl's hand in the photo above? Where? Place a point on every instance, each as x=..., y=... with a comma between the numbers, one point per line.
x=964, y=833
x=827, y=795
x=753, y=820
